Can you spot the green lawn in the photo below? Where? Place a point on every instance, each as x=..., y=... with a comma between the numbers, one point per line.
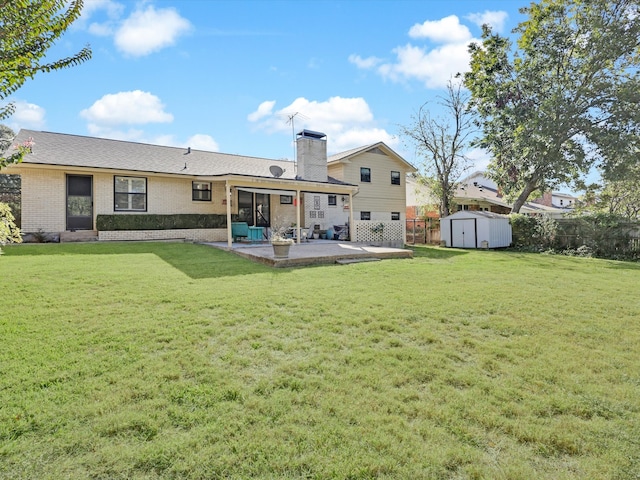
x=167, y=360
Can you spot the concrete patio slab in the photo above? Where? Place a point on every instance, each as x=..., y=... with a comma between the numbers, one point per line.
x=316, y=252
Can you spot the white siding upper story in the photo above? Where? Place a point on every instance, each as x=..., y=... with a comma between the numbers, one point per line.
x=563, y=200
x=380, y=196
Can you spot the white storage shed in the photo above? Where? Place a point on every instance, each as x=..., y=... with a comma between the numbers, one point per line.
x=475, y=229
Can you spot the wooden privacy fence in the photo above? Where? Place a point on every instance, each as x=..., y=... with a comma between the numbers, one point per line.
x=621, y=236
x=423, y=231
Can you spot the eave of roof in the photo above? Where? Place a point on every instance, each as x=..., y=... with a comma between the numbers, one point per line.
x=345, y=156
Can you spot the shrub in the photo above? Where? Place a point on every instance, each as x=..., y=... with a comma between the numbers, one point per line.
x=9, y=232
x=524, y=230
x=160, y=222
x=601, y=235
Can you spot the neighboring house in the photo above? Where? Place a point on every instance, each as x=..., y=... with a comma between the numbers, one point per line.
x=479, y=193
x=563, y=200
x=69, y=181
x=421, y=203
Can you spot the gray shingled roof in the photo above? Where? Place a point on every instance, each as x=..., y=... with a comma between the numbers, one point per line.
x=79, y=151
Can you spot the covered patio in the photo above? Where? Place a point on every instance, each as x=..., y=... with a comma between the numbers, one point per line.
x=314, y=252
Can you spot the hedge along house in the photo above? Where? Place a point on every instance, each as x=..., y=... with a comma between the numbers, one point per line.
x=86, y=187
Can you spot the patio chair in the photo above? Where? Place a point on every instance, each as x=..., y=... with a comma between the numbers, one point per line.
x=340, y=232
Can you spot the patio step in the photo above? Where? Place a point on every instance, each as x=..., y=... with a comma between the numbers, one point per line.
x=347, y=261
x=79, y=236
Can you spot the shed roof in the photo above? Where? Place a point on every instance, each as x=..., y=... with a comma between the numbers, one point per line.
x=478, y=214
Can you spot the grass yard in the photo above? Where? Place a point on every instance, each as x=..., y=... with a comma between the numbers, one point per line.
x=167, y=360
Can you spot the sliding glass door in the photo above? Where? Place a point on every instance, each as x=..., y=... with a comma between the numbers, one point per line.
x=254, y=208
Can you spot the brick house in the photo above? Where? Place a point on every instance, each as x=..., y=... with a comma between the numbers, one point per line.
x=71, y=183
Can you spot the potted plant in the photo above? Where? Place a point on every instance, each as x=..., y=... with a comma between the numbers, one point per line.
x=280, y=242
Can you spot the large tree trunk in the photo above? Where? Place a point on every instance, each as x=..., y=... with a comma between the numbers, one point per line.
x=528, y=189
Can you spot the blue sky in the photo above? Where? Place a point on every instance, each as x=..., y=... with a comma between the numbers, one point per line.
x=228, y=75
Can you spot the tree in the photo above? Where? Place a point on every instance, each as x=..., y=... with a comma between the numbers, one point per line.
x=619, y=197
x=565, y=100
x=28, y=28
x=441, y=142
x=6, y=138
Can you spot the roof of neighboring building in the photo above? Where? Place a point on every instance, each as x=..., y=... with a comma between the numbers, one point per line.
x=474, y=189
x=90, y=152
x=564, y=195
x=482, y=189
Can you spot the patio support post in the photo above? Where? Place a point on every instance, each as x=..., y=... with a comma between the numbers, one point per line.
x=298, y=202
x=229, y=232
x=351, y=225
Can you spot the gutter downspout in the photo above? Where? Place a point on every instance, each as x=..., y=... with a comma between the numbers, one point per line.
x=351, y=225
x=229, y=233
x=298, y=202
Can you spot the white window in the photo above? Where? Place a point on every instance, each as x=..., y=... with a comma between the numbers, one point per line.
x=130, y=194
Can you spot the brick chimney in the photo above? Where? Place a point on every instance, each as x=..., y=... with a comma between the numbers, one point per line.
x=546, y=199
x=311, y=156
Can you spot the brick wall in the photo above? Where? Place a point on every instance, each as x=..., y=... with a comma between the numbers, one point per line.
x=43, y=201
x=196, y=235
x=44, y=197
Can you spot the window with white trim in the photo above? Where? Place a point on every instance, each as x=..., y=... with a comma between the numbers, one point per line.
x=365, y=215
x=395, y=178
x=332, y=200
x=395, y=215
x=129, y=194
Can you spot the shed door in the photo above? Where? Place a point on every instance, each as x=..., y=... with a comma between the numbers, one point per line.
x=463, y=233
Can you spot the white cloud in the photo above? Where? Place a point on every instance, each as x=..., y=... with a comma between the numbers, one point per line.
x=445, y=30
x=113, y=9
x=27, y=115
x=264, y=110
x=100, y=29
x=364, y=63
x=495, y=19
x=347, y=122
x=91, y=8
x=432, y=67
x=136, y=107
x=357, y=137
x=200, y=141
x=130, y=135
x=480, y=159
x=149, y=30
